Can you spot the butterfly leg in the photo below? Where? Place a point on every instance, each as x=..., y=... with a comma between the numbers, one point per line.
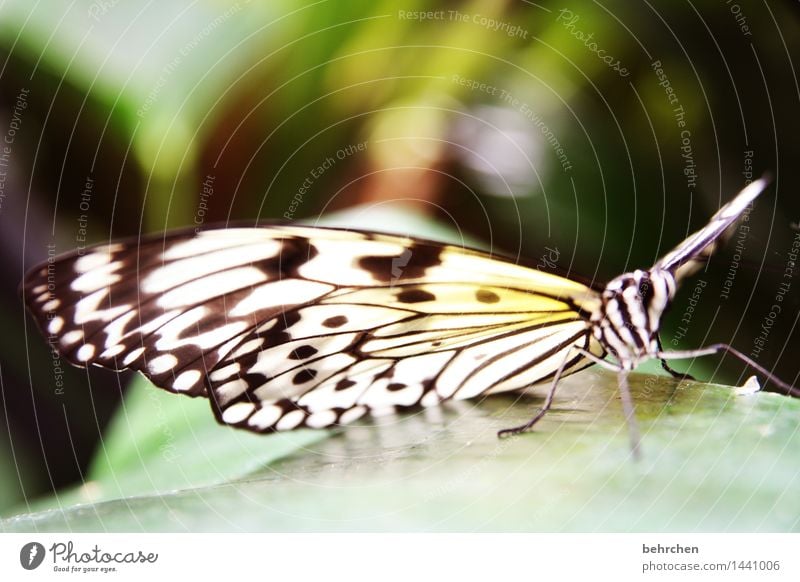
x=668, y=368
x=507, y=432
x=630, y=416
x=781, y=387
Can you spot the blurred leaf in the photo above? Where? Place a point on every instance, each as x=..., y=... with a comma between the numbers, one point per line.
x=13, y=465
x=713, y=461
x=161, y=69
x=395, y=218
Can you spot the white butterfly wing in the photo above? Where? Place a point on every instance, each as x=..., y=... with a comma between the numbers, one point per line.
x=286, y=326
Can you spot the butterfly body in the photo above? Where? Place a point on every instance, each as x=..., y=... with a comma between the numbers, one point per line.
x=629, y=319
x=284, y=326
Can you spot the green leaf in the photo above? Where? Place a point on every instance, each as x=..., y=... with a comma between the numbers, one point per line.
x=159, y=442
x=713, y=460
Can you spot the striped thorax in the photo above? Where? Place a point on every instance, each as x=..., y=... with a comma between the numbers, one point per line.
x=628, y=320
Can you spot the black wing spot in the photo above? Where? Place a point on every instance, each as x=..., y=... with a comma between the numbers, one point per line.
x=303, y=352
x=294, y=253
x=277, y=338
x=304, y=376
x=395, y=386
x=335, y=321
x=415, y=296
x=344, y=384
x=381, y=268
x=486, y=296
x=412, y=263
x=277, y=334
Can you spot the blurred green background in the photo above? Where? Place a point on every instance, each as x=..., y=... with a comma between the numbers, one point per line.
x=596, y=133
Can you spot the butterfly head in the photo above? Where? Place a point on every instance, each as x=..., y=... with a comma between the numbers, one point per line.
x=632, y=305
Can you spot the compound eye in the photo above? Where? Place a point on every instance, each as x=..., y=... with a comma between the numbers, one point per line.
x=646, y=291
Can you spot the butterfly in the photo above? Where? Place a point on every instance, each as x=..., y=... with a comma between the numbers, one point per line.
x=287, y=326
